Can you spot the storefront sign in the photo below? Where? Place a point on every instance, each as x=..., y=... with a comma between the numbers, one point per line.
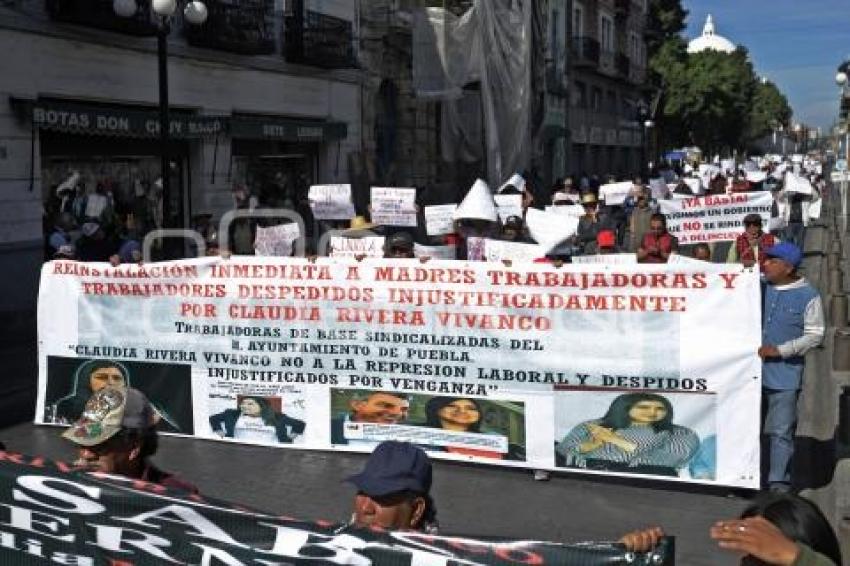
x=287, y=129
x=88, y=119
x=539, y=353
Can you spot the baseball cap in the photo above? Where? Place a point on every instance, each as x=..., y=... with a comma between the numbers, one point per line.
x=606, y=239
x=514, y=222
x=393, y=467
x=108, y=411
x=787, y=252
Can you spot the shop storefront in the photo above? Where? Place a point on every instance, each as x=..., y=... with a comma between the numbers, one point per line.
x=113, y=150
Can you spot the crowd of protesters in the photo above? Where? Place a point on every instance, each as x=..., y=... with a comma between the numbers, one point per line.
x=116, y=434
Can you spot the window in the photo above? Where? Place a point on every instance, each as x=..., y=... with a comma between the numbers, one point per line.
x=636, y=51
x=611, y=102
x=578, y=20
x=606, y=32
x=579, y=98
x=596, y=100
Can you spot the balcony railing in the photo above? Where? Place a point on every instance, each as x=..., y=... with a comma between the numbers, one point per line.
x=313, y=38
x=100, y=14
x=585, y=52
x=243, y=26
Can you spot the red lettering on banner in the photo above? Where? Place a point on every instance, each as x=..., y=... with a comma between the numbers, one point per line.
x=729, y=279
x=380, y=316
x=518, y=555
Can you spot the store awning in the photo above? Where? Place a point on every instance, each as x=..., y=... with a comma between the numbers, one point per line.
x=287, y=129
x=104, y=120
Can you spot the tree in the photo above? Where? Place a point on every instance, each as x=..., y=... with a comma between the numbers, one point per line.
x=708, y=100
x=665, y=21
x=769, y=110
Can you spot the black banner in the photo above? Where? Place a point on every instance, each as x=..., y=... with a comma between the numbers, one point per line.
x=54, y=514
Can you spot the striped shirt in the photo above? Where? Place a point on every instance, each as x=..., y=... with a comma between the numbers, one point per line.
x=671, y=448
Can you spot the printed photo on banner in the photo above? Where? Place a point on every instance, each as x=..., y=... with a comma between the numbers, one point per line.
x=258, y=418
x=71, y=381
x=465, y=426
x=659, y=433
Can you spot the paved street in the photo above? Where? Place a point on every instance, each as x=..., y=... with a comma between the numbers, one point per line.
x=471, y=499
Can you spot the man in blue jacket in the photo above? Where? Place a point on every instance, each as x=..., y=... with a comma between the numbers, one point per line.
x=792, y=324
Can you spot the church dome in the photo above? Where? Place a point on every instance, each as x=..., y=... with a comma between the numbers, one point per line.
x=710, y=40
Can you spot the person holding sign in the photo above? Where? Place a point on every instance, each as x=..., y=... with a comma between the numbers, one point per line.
x=657, y=244
x=636, y=435
x=750, y=246
x=589, y=224
x=792, y=324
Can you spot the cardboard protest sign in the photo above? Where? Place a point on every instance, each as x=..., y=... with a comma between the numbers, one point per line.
x=574, y=210
x=370, y=246
x=331, y=202
x=714, y=218
x=528, y=344
x=548, y=229
x=796, y=184
x=393, y=206
x=614, y=194
x=276, y=240
x=435, y=252
x=438, y=219
x=508, y=205
x=498, y=250
x=608, y=259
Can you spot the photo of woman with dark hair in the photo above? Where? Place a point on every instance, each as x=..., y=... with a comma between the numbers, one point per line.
x=463, y=414
x=256, y=421
x=636, y=435
x=90, y=377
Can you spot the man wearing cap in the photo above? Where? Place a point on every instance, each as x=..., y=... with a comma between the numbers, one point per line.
x=606, y=242
x=589, y=224
x=399, y=246
x=116, y=435
x=750, y=246
x=393, y=490
x=792, y=324
x=514, y=229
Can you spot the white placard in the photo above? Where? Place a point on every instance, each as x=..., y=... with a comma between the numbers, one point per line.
x=608, y=259
x=714, y=218
x=508, y=205
x=439, y=220
x=370, y=246
x=574, y=210
x=331, y=202
x=549, y=229
x=276, y=240
x=614, y=194
x=392, y=206
x=498, y=250
x=796, y=184
x=435, y=252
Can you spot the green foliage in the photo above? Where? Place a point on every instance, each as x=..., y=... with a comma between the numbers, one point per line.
x=665, y=21
x=769, y=109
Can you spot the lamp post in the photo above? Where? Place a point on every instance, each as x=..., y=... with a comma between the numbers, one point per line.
x=194, y=12
x=841, y=80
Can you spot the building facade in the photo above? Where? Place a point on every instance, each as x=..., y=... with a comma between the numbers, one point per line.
x=608, y=52
x=264, y=94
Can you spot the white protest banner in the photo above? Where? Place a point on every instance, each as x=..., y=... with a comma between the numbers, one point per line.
x=508, y=205
x=756, y=176
x=435, y=252
x=658, y=188
x=535, y=349
x=614, y=194
x=796, y=184
x=678, y=259
x=331, y=202
x=714, y=218
x=548, y=229
x=438, y=219
x=695, y=184
x=393, y=206
x=276, y=240
x=815, y=209
x=499, y=250
x=370, y=246
x=838, y=176
x=609, y=259
x=575, y=210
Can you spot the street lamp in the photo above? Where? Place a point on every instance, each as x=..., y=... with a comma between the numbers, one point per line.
x=841, y=79
x=194, y=12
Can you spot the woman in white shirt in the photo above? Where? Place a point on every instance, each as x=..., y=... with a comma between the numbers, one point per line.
x=256, y=421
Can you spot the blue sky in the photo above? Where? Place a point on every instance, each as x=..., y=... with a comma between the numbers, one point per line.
x=797, y=44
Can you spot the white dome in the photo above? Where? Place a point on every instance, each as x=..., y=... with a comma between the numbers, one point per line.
x=710, y=40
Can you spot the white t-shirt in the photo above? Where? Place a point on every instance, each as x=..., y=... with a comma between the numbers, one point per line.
x=254, y=429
